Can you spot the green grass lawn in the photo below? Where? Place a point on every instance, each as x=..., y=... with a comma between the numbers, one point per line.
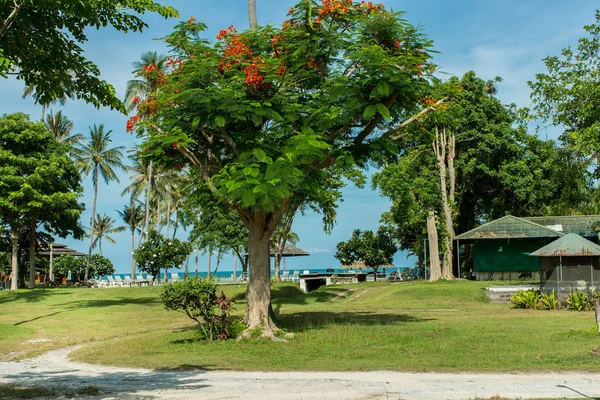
x=417, y=326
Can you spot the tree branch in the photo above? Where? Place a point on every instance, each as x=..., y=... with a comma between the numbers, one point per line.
x=376, y=120
x=4, y=25
x=412, y=119
x=230, y=141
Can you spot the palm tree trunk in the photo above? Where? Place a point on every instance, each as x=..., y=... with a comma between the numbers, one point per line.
x=168, y=217
x=50, y=271
x=148, y=186
x=100, y=244
x=89, y=258
x=176, y=222
x=252, y=14
x=209, y=261
x=196, y=260
x=132, y=250
x=32, y=240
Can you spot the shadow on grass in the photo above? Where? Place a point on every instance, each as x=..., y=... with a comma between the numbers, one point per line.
x=36, y=318
x=121, y=384
x=302, y=321
x=122, y=301
x=291, y=294
x=30, y=295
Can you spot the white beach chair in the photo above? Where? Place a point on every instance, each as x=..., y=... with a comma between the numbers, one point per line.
x=296, y=276
x=140, y=280
x=285, y=277
x=174, y=277
x=119, y=281
x=128, y=280
x=111, y=281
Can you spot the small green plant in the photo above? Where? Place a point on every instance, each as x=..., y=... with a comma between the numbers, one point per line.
x=549, y=301
x=197, y=298
x=578, y=301
x=529, y=299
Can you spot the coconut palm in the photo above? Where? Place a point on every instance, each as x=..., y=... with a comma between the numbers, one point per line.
x=133, y=216
x=252, y=14
x=30, y=90
x=138, y=89
x=97, y=158
x=61, y=127
x=103, y=227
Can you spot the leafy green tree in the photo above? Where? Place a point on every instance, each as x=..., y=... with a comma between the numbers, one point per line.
x=65, y=263
x=133, y=216
x=103, y=228
x=97, y=157
x=566, y=94
x=373, y=249
x=49, y=56
x=160, y=252
x=101, y=266
x=38, y=184
x=264, y=116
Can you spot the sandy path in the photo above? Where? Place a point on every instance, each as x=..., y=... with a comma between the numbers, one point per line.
x=54, y=368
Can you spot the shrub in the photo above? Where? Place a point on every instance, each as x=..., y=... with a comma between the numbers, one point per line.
x=65, y=263
x=578, y=301
x=549, y=301
x=160, y=252
x=197, y=298
x=101, y=266
x=529, y=299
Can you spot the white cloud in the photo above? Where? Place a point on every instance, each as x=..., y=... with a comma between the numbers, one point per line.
x=318, y=251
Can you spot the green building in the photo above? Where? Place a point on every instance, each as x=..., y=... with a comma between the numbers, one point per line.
x=499, y=250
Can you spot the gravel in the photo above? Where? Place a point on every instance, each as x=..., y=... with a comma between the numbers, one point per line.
x=55, y=369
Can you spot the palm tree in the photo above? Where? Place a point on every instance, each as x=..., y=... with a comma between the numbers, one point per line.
x=133, y=216
x=140, y=88
x=97, y=158
x=252, y=14
x=61, y=127
x=30, y=90
x=103, y=227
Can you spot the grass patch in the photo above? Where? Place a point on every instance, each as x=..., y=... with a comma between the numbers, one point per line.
x=410, y=326
x=35, y=392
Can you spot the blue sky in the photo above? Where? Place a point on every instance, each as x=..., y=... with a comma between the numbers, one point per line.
x=494, y=38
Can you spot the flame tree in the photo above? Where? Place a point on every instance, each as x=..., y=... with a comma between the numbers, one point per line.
x=275, y=115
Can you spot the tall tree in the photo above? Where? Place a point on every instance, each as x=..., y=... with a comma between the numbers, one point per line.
x=263, y=116
x=103, y=228
x=252, y=14
x=38, y=184
x=97, y=157
x=62, y=127
x=133, y=216
x=49, y=56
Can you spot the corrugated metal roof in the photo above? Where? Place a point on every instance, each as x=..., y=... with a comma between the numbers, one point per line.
x=579, y=224
x=568, y=246
x=509, y=227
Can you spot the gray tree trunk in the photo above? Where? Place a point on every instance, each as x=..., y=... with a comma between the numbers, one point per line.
x=252, y=14
x=14, y=273
x=196, y=260
x=209, y=261
x=234, y=268
x=434, y=254
x=89, y=257
x=51, y=271
x=148, y=188
x=132, y=251
x=32, y=243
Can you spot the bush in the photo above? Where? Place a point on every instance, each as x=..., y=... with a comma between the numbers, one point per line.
x=101, y=266
x=197, y=298
x=549, y=301
x=65, y=263
x=529, y=299
x=579, y=301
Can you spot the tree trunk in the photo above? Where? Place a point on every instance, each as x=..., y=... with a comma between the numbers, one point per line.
x=176, y=222
x=277, y=266
x=209, y=261
x=14, y=273
x=434, y=254
x=148, y=187
x=158, y=217
x=258, y=292
x=196, y=260
x=597, y=312
x=168, y=217
x=132, y=251
x=252, y=14
x=51, y=271
x=100, y=244
x=440, y=146
x=32, y=243
x=234, y=268
x=89, y=258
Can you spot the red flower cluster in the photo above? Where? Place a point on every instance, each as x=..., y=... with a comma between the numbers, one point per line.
x=148, y=106
x=154, y=75
x=135, y=100
x=235, y=49
x=398, y=43
x=334, y=6
x=191, y=20
x=174, y=62
x=369, y=6
x=429, y=101
x=253, y=77
x=130, y=126
x=223, y=33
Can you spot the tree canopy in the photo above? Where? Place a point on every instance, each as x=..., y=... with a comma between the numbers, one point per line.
x=41, y=42
x=374, y=249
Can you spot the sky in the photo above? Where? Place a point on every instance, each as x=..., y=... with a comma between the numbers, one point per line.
x=507, y=38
